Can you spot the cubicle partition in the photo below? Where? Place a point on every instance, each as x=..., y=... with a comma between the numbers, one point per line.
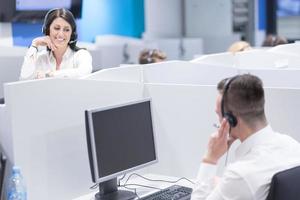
x=262, y=59
x=184, y=106
x=282, y=108
x=126, y=73
x=182, y=72
x=252, y=59
x=45, y=132
x=184, y=117
x=42, y=123
x=220, y=59
x=291, y=49
x=10, y=69
x=12, y=51
x=281, y=78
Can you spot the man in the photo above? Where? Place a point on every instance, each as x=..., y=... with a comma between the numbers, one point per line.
x=261, y=154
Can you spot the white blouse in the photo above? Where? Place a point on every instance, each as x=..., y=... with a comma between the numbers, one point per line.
x=38, y=64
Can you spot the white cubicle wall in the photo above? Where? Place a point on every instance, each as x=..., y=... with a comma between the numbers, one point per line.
x=184, y=115
x=282, y=108
x=281, y=78
x=184, y=108
x=10, y=69
x=126, y=73
x=222, y=59
x=11, y=59
x=251, y=59
x=12, y=51
x=183, y=72
x=46, y=131
x=257, y=58
x=291, y=49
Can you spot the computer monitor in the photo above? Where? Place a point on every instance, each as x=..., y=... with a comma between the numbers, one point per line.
x=120, y=139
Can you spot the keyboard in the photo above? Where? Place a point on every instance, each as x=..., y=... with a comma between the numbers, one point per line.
x=174, y=192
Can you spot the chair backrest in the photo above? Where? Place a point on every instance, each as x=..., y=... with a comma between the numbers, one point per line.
x=285, y=185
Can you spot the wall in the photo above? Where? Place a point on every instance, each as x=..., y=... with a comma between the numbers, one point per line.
x=208, y=18
x=122, y=17
x=163, y=19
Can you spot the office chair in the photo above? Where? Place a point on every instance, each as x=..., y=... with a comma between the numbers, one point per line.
x=285, y=185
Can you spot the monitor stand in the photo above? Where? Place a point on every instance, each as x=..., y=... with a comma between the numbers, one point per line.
x=108, y=190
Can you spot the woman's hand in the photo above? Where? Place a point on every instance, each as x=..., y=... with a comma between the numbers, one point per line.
x=44, y=41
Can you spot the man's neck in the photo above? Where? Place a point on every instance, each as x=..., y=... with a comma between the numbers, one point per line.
x=248, y=131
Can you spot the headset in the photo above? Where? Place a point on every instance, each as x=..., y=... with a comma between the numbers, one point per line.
x=150, y=55
x=45, y=30
x=232, y=120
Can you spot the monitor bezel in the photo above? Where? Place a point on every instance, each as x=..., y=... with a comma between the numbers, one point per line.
x=11, y=14
x=94, y=168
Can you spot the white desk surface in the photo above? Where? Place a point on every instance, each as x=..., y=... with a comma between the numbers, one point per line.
x=142, y=191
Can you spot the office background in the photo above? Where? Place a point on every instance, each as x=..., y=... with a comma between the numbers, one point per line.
x=154, y=18
x=183, y=92
x=98, y=17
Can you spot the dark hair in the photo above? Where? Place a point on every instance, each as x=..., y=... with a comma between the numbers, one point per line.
x=272, y=41
x=151, y=56
x=66, y=15
x=245, y=98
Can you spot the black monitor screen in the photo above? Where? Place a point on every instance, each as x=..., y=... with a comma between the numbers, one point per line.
x=121, y=139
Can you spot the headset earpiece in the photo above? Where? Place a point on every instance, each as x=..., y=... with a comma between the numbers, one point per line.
x=44, y=27
x=150, y=56
x=232, y=120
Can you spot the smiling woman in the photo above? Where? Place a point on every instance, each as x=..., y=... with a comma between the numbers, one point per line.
x=61, y=58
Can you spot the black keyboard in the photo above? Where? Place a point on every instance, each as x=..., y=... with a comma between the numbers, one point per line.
x=174, y=192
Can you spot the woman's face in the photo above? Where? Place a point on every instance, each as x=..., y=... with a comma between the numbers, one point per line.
x=60, y=32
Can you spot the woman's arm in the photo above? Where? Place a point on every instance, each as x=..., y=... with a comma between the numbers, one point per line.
x=29, y=66
x=28, y=70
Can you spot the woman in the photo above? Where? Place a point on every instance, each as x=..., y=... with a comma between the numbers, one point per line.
x=61, y=58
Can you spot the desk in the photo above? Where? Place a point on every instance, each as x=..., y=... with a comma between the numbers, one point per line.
x=142, y=191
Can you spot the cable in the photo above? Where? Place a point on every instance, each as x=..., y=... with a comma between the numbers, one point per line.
x=228, y=148
x=158, y=180
x=119, y=180
x=146, y=186
x=141, y=185
x=128, y=188
x=94, y=186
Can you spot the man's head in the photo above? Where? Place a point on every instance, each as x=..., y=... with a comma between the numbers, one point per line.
x=152, y=56
x=243, y=98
